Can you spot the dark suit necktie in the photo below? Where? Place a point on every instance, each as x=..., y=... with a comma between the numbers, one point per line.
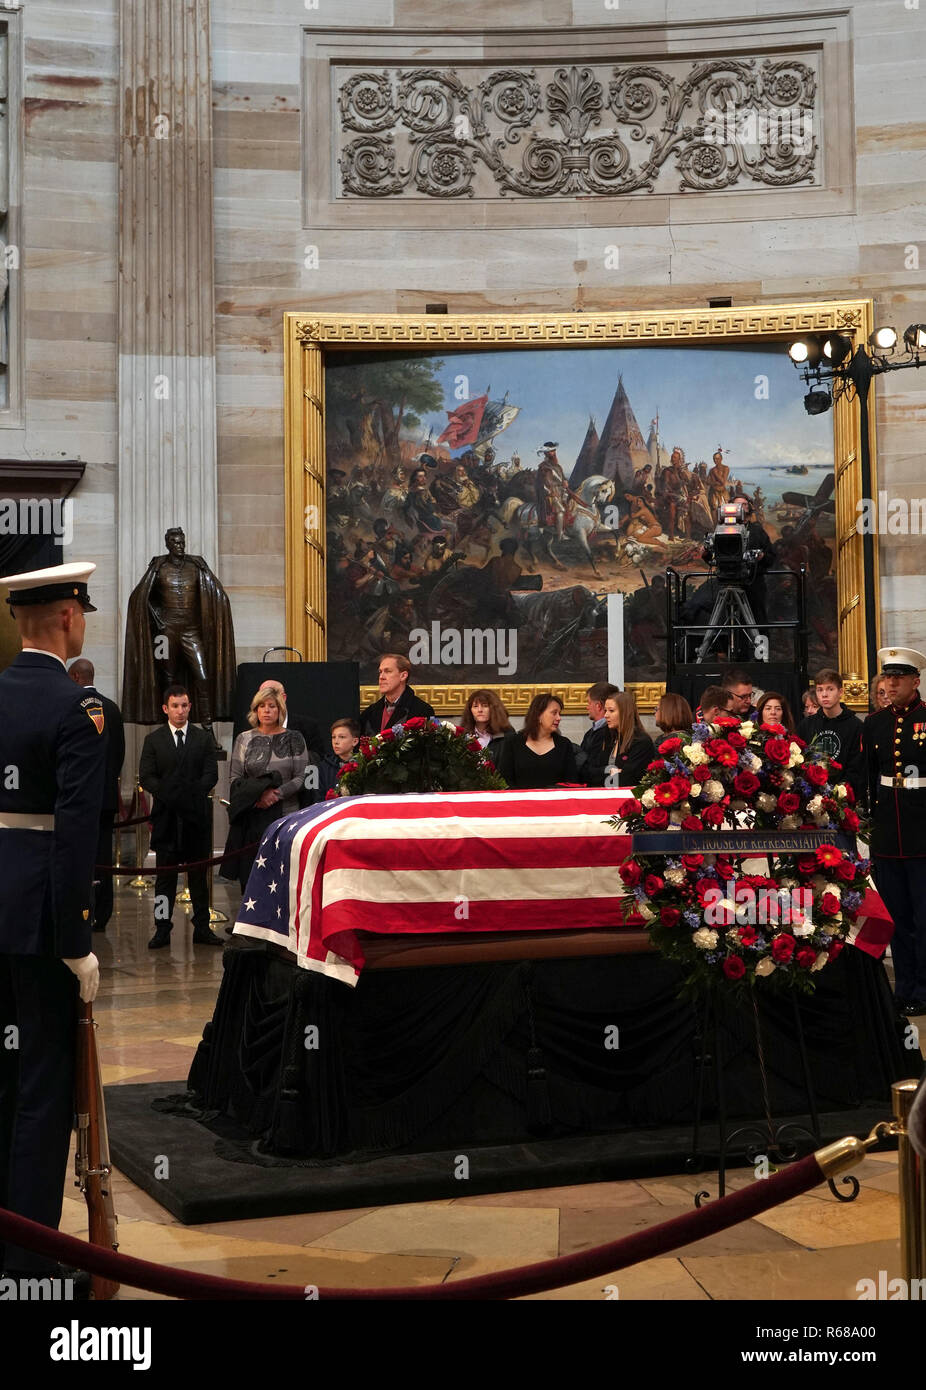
x=179, y=743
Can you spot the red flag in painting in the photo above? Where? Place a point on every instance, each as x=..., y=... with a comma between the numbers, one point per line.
x=463, y=423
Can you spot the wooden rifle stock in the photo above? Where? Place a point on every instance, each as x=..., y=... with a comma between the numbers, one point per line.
x=91, y=1160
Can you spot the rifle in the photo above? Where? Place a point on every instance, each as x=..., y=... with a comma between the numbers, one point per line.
x=91, y=1160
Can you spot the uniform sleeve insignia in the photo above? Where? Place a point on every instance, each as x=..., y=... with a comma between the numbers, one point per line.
x=94, y=711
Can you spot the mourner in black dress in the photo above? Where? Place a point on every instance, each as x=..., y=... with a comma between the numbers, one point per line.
x=485, y=717
x=539, y=756
x=619, y=756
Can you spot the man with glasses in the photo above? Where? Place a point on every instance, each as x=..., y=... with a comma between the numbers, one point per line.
x=741, y=694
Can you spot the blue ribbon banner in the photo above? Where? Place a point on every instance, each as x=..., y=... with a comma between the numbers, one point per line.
x=744, y=842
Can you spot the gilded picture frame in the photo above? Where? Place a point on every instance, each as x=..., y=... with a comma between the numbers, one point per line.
x=311, y=340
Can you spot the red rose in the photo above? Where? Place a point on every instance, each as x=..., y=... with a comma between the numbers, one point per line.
x=366, y=747
x=702, y=774
x=815, y=774
x=735, y=739
x=666, y=793
x=795, y=738
x=693, y=861
x=783, y=948
x=657, y=766
x=633, y=807
x=830, y=904
x=681, y=785
x=725, y=870
x=708, y=891
x=807, y=864
x=806, y=957
x=778, y=729
x=692, y=823
x=670, y=745
x=417, y=723
x=748, y=936
x=474, y=746
x=347, y=767
x=387, y=736
x=712, y=816
x=835, y=948
x=657, y=818
x=746, y=783
x=850, y=820
x=733, y=968
x=788, y=802
x=630, y=872
x=332, y=795
x=669, y=916
x=488, y=764
x=653, y=885
x=850, y=795
x=846, y=871
x=778, y=749
x=727, y=721
x=458, y=729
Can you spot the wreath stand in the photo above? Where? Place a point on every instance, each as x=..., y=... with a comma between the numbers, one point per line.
x=775, y=1141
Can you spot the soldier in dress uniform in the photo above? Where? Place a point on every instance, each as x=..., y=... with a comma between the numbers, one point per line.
x=894, y=742
x=52, y=767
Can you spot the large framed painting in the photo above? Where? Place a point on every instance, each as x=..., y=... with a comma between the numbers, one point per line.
x=470, y=491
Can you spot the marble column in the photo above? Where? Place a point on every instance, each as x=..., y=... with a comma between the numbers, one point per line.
x=167, y=407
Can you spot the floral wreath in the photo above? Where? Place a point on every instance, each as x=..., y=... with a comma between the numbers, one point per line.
x=724, y=925
x=421, y=755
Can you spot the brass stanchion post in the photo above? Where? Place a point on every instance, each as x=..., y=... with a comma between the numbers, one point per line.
x=911, y=1170
x=139, y=883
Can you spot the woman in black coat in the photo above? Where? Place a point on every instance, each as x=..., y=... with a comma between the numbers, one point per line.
x=620, y=754
x=539, y=756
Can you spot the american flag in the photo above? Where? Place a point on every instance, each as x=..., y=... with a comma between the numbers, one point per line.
x=442, y=862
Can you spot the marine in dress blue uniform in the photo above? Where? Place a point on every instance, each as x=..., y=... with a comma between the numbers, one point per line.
x=52, y=762
x=894, y=744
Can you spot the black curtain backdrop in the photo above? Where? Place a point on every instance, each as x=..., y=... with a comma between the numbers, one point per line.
x=425, y=1059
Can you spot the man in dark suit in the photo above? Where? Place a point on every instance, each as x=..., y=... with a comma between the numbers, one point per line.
x=52, y=763
x=82, y=673
x=397, y=701
x=178, y=767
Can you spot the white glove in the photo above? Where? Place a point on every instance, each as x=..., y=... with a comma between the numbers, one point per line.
x=87, y=970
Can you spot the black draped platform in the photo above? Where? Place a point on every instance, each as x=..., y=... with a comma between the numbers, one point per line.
x=438, y=1057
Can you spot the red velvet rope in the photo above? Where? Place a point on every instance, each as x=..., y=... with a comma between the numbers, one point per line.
x=727, y=1211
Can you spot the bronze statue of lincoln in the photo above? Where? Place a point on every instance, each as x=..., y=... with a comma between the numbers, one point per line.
x=178, y=631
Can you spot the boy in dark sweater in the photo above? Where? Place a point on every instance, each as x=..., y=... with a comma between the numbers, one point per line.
x=835, y=730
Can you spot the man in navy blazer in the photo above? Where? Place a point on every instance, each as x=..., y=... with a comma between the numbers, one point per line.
x=178, y=767
x=397, y=701
x=52, y=763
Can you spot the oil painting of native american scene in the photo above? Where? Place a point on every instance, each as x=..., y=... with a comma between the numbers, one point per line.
x=510, y=492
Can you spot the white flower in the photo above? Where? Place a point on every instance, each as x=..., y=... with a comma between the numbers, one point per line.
x=787, y=779
x=756, y=763
x=765, y=802
x=449, y=724
x=675, y=876
x=790, y=822
x=705, y=939
x=796, y=756
x=695, y=754
x=646, y=912
x=822, y=958
x=695, y=789
x=649, y=799
x=815, y=805
x=804, y=928
x=676, y=817
x=747, y=728
x=827, y=887
x=738, y=805
x=712, y=790
x=765, y=966
x=788, y=882
x=840, y=791
x=733, y=936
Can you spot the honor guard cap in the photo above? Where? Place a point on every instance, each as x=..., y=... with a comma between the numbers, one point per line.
x=48, y=586
x=900, y=661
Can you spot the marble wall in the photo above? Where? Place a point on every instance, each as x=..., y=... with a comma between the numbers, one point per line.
x=860, y=232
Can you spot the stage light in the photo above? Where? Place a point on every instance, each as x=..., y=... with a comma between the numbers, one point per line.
x=807, y=350
x=884, y=339
x=799, y=351
x=817, y=402
x=915, y=337
x=837, y=348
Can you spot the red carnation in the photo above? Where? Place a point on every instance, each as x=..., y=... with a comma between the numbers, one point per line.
x=734, y=968
x=712, y=816
x=815, y=774
x=692, y=823
x=778, y=749
x=850, y=820
x=796, y=738
x=630, y=872
x=783, y=948
x=846, y=870
x=693, y=861
x=778, y=729
x=727, y=721
x=708, y=891
x=657, y=766
x=748, y=936
x=735, y=739
x=657, y=818
x=788, y=802
x=746, y=783
x=653, y=884
x=681, y=785
x=670, y=745
x=669, y=916
x=702, y=774
x=835, y=948
x=806, y=957
x=830, y=904
x=417, y=723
